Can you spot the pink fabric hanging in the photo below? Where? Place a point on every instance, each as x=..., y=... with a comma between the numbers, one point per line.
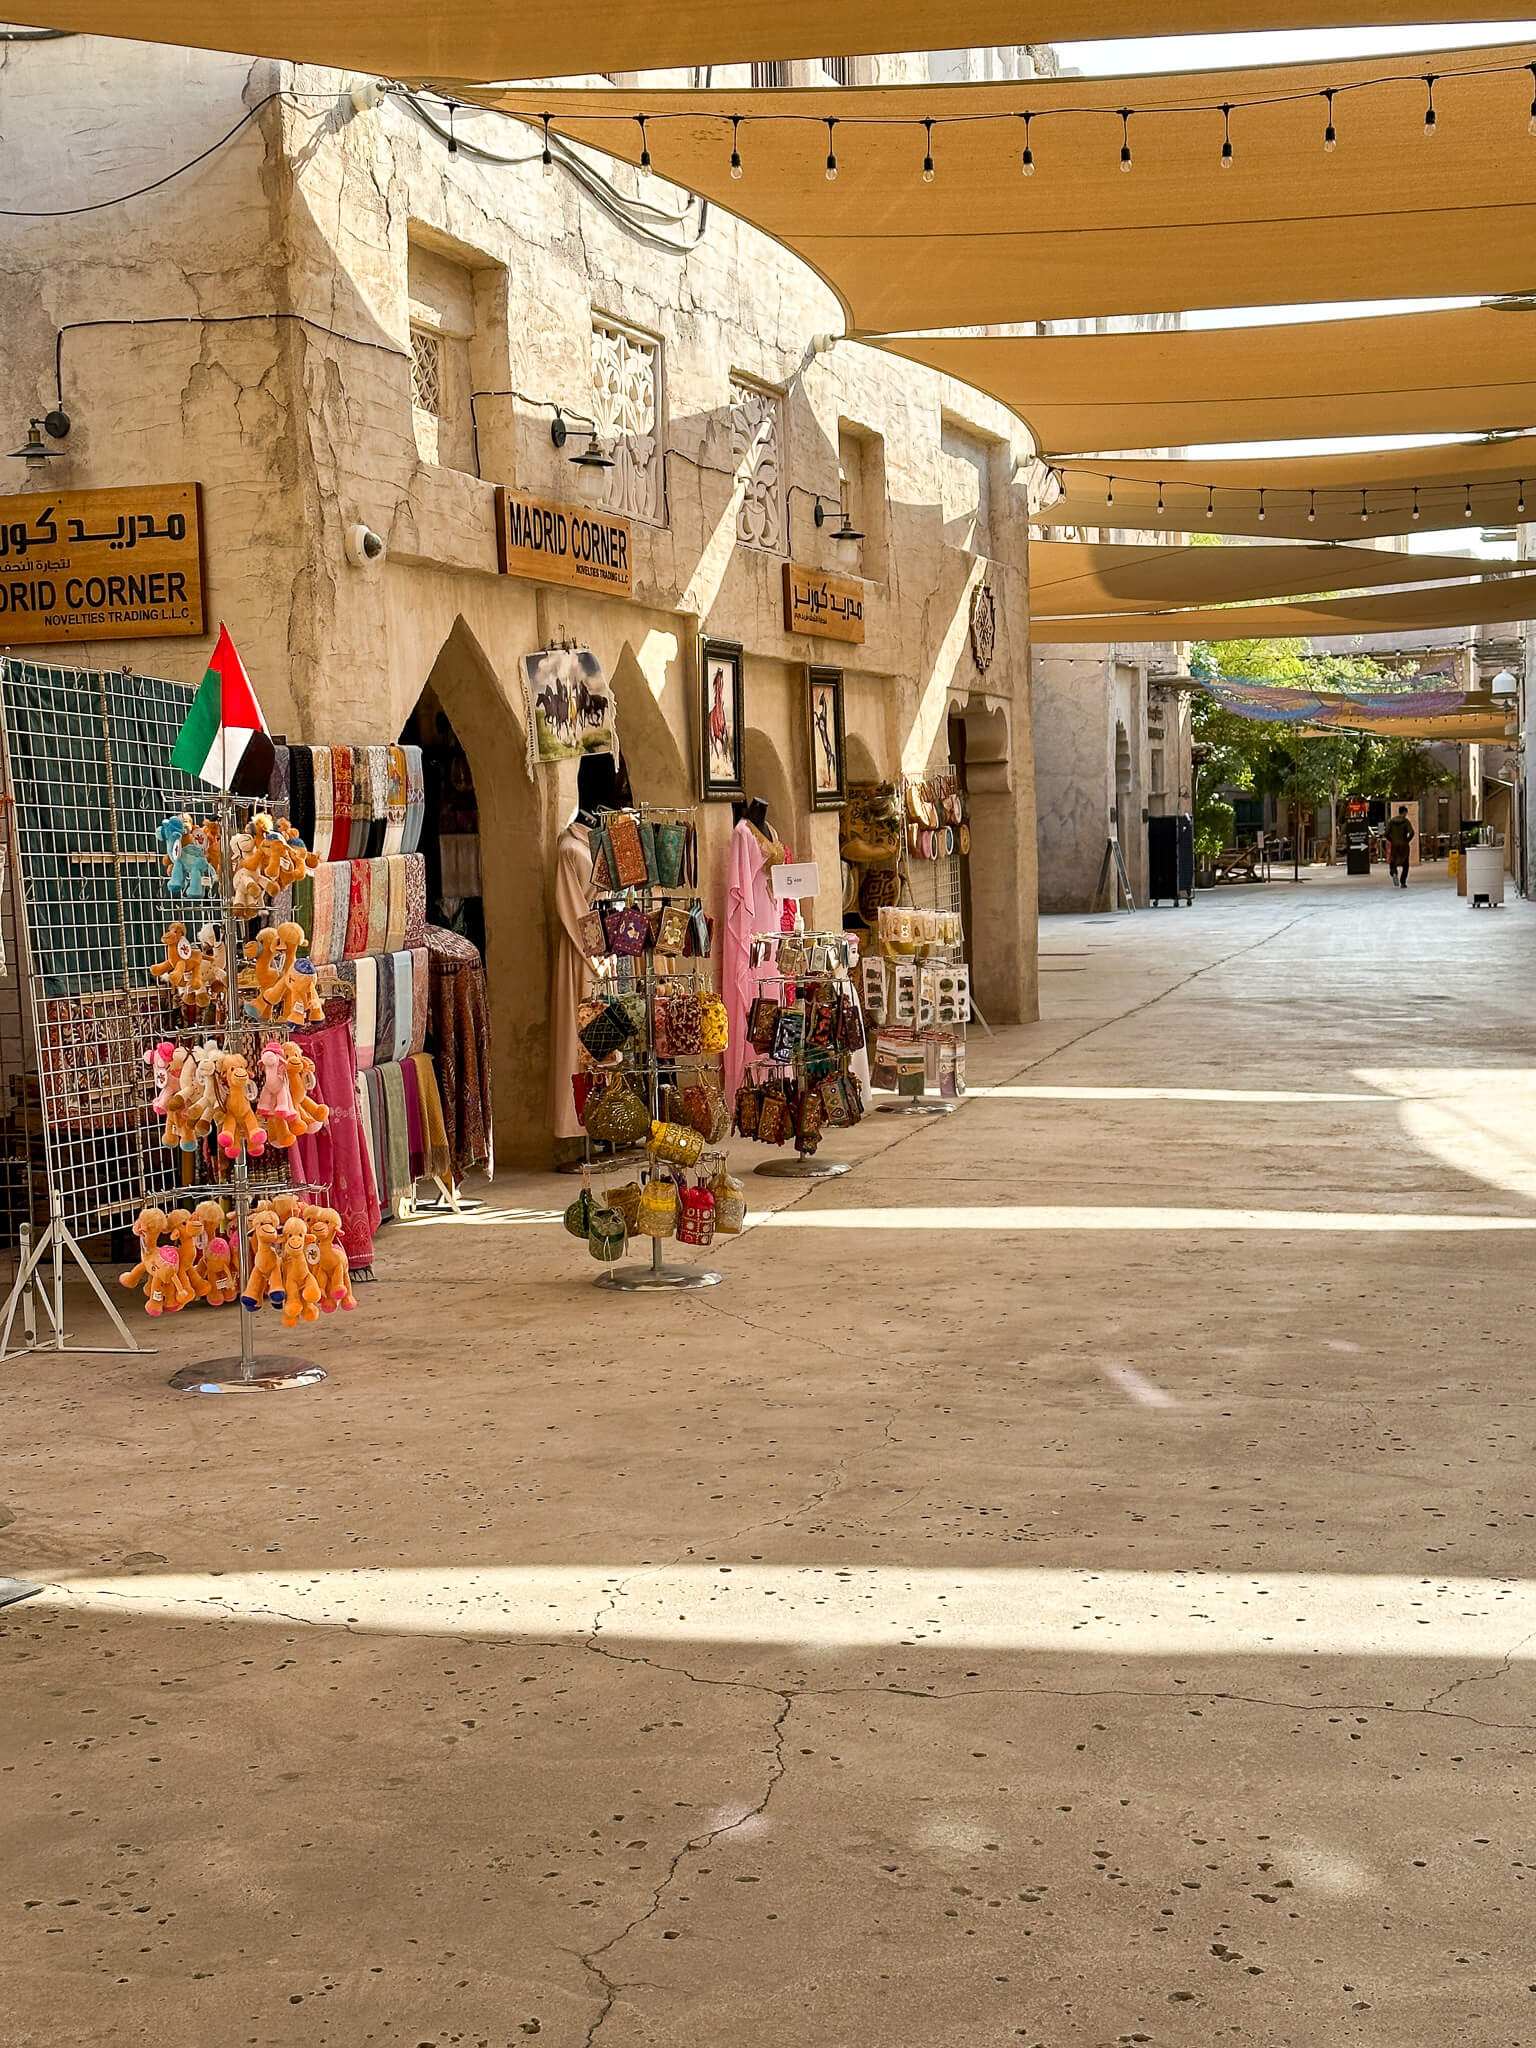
x=749, y=908
x=335, y=1157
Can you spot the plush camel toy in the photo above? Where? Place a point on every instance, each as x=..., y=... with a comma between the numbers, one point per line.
x=297, y=1258
x=162, y=1289
x=170, y=1068
x=211, y=1224
x=285, y=991
x=264, y=1235
x=238, y=1123
x=275, y=1104
x=331, y=1268
x=202, y=1088
x=248, y=892
x=219, y=1272
x=186, y=1234
x=151, y=1226
x=286, y=859
x=308, y=1109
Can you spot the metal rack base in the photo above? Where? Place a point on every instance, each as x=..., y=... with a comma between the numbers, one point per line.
x=802, y=1169
x=916, y=1108
x=230, y=1376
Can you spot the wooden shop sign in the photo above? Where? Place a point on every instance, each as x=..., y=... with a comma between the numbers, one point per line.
x=563, y=544
x=821, y=602
x=101, y=565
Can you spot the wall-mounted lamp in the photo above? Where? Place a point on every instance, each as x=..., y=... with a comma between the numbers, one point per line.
x=34, y=451
x=847, y=536
x=593, y=456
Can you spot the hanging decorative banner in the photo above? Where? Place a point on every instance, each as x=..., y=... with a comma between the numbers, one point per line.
x=101, y=565
x=820, y=601
x=568, y=707
x=563, y=544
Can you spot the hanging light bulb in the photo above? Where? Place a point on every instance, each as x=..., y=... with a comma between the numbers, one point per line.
x=1159, y=496
x=1125, y=138
x=453, y=140
x=1027, y=161
x=1364, y=515
x=645, y=149
x=1531, y=126
x=1109, y=495
x=1467, y=511
x=1415, y=501
x=1520, y=501
x=1330, y=133
x=546, y=160
x=1429, y=110
x=735, y=145
x=1262, y=513
x=1226, y=139
x=1311, y=505
x=831, y=154
x=928, y=153
x=1210, y=501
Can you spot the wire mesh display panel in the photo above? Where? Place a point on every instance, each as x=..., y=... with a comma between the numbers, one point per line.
x=23, y=1186
x=87, y=768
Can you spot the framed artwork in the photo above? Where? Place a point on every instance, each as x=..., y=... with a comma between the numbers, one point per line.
x=829, y=766
x=722, y=722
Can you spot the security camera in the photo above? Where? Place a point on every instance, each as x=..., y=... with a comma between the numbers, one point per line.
x=364, y=546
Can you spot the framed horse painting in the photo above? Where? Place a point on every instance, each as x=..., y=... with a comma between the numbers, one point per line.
x=829, y=766
x=722, y=722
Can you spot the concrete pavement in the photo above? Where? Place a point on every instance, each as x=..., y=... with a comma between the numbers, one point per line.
x=1070, y=1584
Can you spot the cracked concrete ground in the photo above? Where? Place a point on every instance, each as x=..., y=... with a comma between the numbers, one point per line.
x=1106, y=1621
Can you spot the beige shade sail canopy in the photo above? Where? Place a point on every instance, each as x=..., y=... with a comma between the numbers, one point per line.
x=1499, y=601
x=1071, y=578
x=980, y=244
x=1462, y=372
x=490, y=39
x=1499, y=475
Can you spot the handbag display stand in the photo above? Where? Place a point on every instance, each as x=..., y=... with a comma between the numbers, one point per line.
x=644, y=1064
x=795, y=1069
x=931, y=881
x=248, y=1372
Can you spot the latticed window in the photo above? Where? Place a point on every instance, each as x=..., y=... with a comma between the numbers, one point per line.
x=627, y=405
x=757, y=440
x=426, y=391
x=770, y=77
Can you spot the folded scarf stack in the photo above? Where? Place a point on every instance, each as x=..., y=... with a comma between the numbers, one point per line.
x=351, y=908
x=400, y=1112
x=459, y=1039
x=392, y=997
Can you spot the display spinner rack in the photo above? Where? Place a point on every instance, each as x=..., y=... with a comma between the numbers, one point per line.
x=930, y=884
x=648, y=1064
x=85, y=768
x=805, y=1165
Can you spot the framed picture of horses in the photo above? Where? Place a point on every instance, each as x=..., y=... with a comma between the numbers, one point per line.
x=829, y=762
x=722, y=722
x=568, y=705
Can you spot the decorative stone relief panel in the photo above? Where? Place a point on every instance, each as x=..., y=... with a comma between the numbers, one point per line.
x=627, y=404
x=757, y=439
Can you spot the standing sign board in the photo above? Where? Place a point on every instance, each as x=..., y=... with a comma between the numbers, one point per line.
x=124, y=564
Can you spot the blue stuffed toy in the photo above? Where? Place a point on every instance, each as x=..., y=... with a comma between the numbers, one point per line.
x=174, y=835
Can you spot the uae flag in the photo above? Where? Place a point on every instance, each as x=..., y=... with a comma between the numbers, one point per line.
x=225, y=739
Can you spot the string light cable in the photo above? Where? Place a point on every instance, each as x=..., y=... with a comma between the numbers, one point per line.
x=1368, y=502
x=926, y=126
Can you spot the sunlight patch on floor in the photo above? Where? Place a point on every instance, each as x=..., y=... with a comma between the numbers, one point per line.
x=1053, y=1216
x=1118, y=1613
x=1478, y=1120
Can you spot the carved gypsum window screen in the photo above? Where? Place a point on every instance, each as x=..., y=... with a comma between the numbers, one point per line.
x=757, y=437
x=627, y=403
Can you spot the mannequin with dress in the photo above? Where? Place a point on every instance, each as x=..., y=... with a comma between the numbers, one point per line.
x=600, y=786
x=756, y=850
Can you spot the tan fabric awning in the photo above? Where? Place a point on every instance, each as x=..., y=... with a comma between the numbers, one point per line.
x=1462, y=372
x=489, y=39
x=1500, y=601
x=1288, y=223
x=1499, y=474
x=1072, y=578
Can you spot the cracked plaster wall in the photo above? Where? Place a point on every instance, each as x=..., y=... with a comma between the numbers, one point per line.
x=296, y=435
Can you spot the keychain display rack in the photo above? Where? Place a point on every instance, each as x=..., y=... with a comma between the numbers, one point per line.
x=806, y=1055
x=644, y=1064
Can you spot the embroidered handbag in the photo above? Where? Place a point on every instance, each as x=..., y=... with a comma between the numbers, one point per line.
x=706, y=1110
x=879, y=886
x=632, y=1002
x=608, y=1032
x=850, y=1024
x=774, y=1122
x=608, y=1237
x=749, y=1105
x=696, y=1224
x=834, y=1104
x=628, y=931
x=761, y=1023
x=730, y=1203
x=658, y=1208
x=578, y=1218
x=672, y=837
x=617, y=1116
x=714, y=1024
x=810, y=1116
x=594, y=940
x=602, y=864
x=626, y=1200
x=679, y=1143
x=672, y=933
x=821, y=1020
x=648, y=850
x=788, y=1035
x=685, y=1025
x=628, y=855
x=581, y=1088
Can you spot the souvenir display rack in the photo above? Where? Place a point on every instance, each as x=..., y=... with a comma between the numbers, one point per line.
x=802, y=1038
x=629, y=907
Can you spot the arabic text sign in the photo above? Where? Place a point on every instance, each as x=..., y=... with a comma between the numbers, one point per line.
x=101, y=565
x=563, y=544
x=818, y=601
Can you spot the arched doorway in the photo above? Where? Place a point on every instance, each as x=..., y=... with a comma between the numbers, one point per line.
x=1001, y=876
x=766, y=777
x=493, y=791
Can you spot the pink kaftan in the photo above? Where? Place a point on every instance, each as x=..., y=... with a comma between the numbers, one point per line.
x=749, y=908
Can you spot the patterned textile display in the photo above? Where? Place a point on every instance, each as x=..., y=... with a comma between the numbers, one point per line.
x=378, y=799
x=378, y=905
x=394, y=830
x=390, y=1004
x=459, y=1039
x=357, y=840
x=413, y=1117
x=341, y=805
x=435, y=1159
x=415, y=800
x=322, y=889
x=303, y=912
x=394, y=924
x=301, y=792
x=384, y=1010
x=421, y=997
x=336, y=1157
x=405, y=965
x=325, y=798
x=365, y=1016
x=277, y=787
x=415, y=899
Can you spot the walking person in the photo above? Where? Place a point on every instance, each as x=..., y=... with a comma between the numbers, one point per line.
x=1399, y=839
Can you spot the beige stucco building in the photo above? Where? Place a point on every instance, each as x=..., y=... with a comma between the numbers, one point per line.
x=336, y=322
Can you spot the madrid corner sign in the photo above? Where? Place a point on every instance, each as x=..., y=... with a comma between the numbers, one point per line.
x=122, y=564
x=565, y=544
